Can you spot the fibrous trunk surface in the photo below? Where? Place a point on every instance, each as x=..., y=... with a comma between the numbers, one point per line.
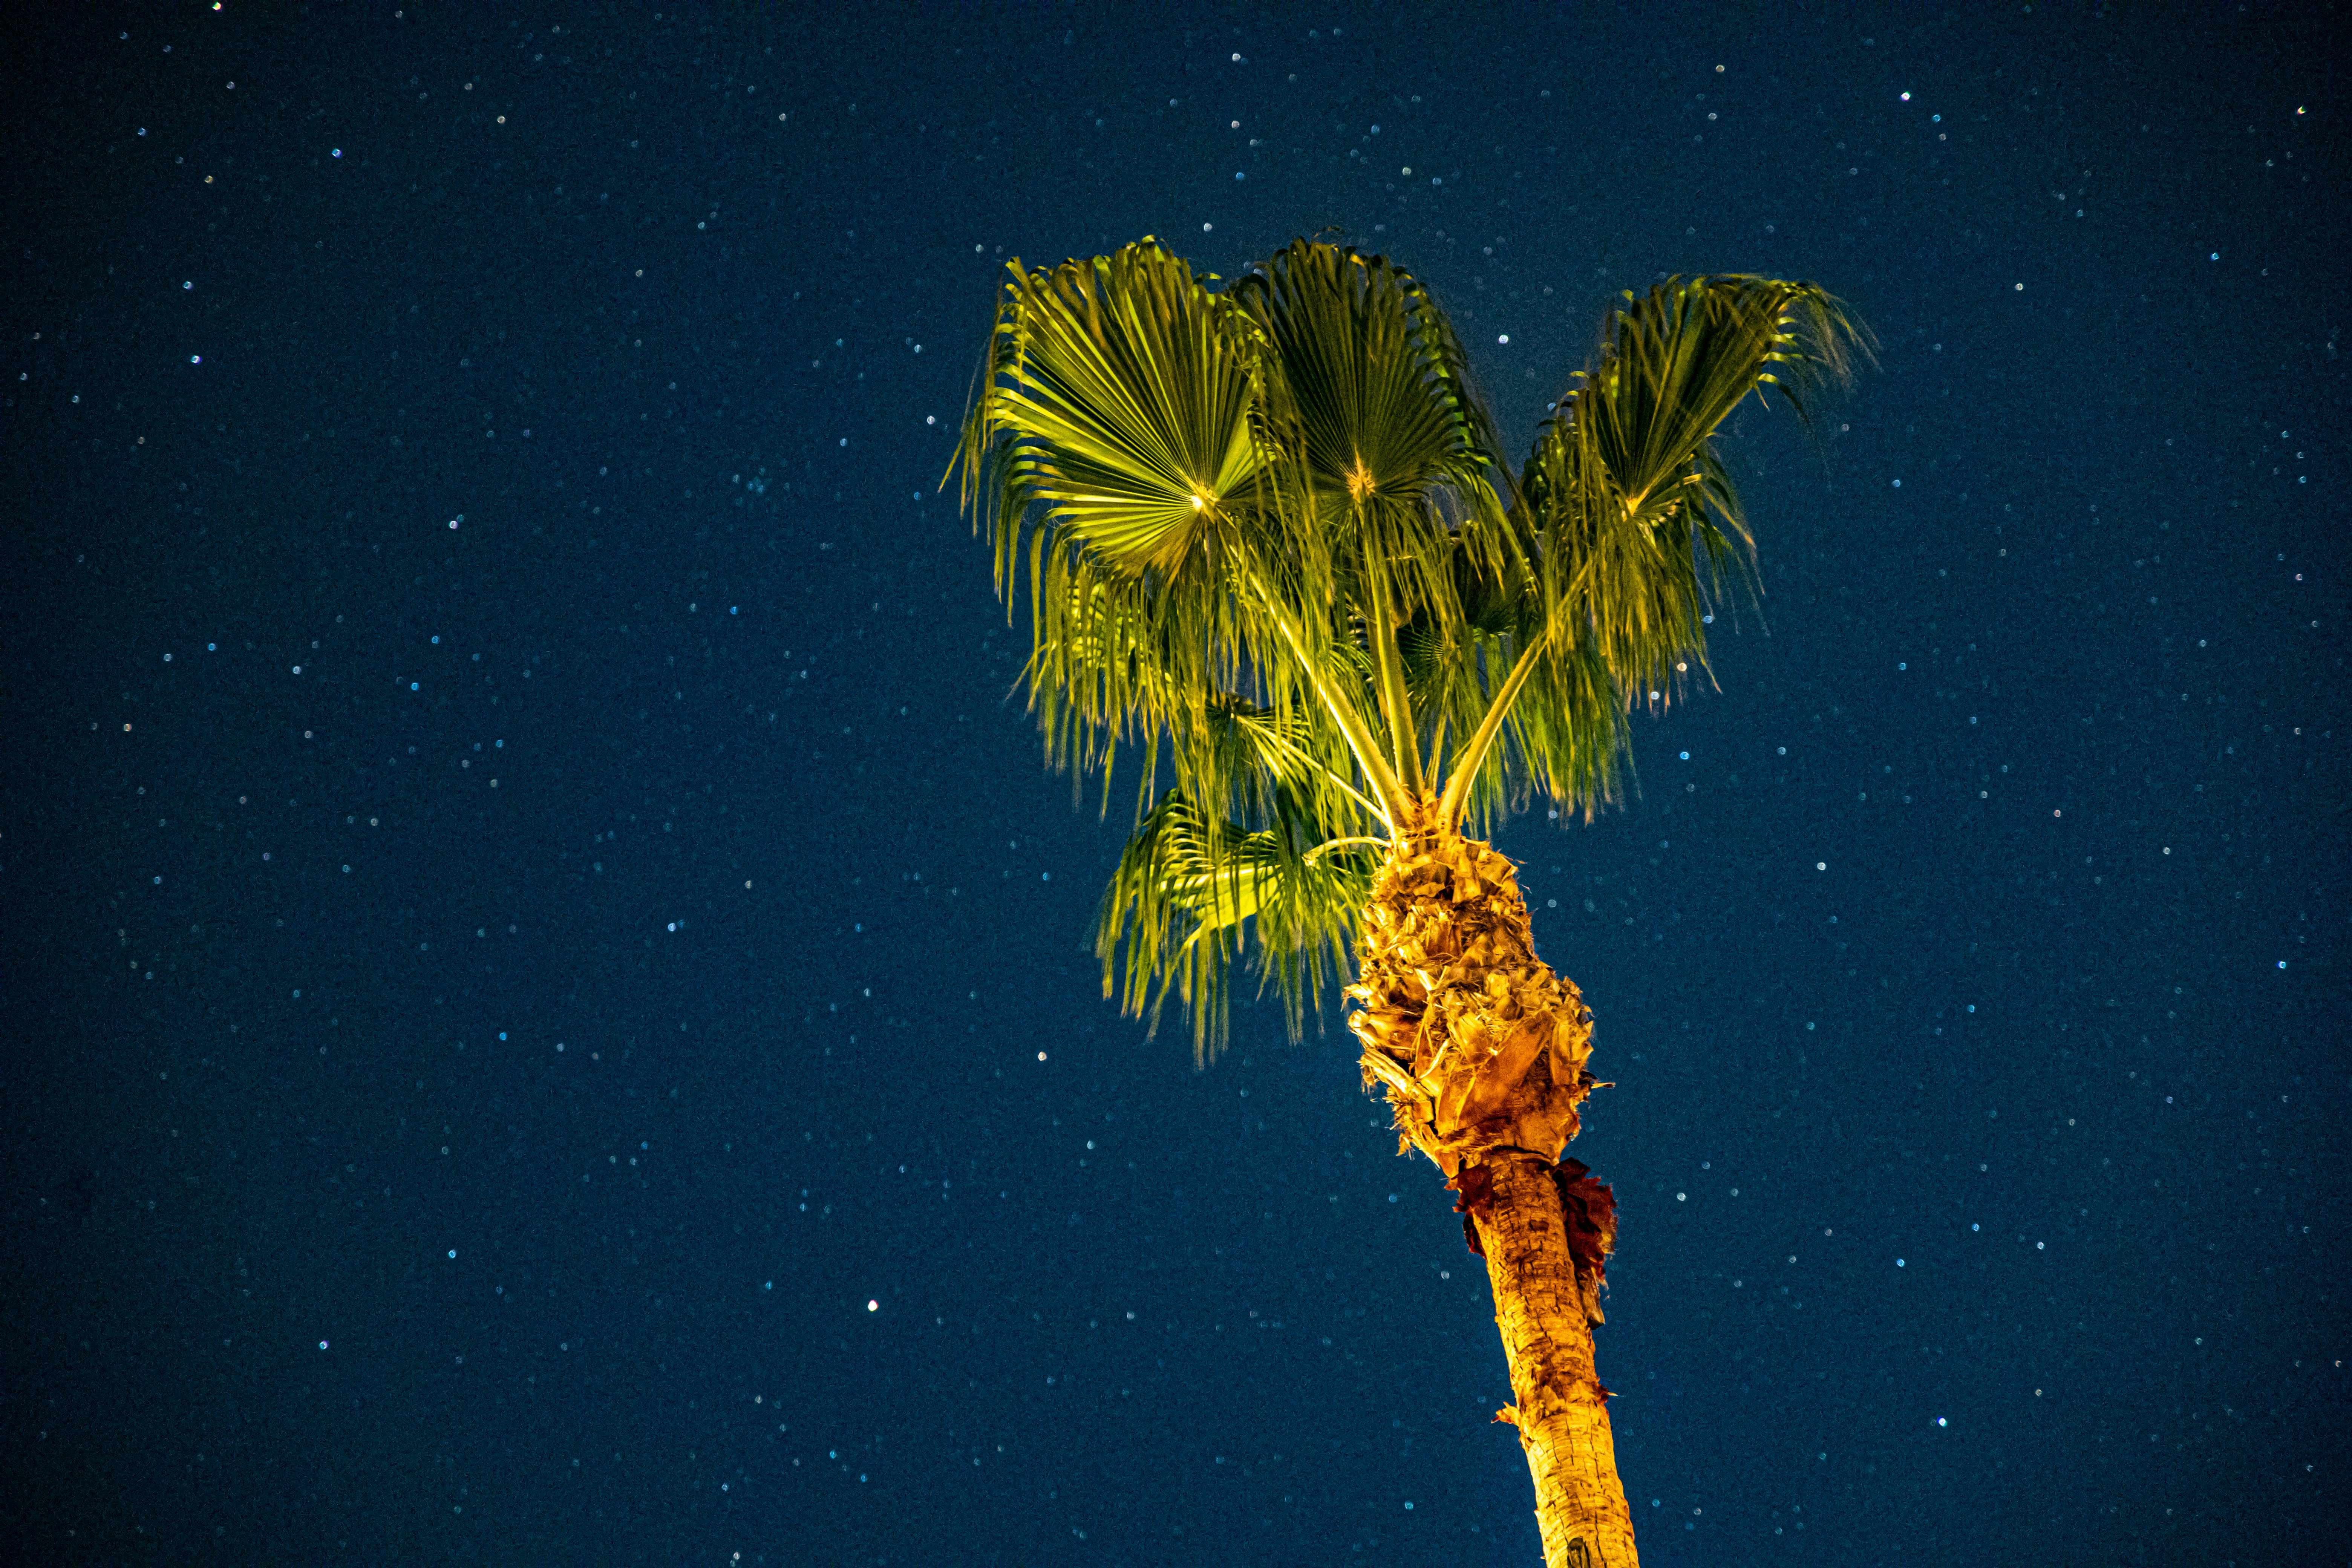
x=1537, y=1228
x=1480, y=1046
x=1483, y=1051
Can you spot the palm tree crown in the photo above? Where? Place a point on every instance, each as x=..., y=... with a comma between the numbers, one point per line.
x=1270, y=551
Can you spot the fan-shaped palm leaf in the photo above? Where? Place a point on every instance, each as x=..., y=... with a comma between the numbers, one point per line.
x=1119, y=398
x=1128, y=420
x=1173, y=917
x=1392, y=450
x=1624, y=480
x=1375, y=384
x=1635, y=521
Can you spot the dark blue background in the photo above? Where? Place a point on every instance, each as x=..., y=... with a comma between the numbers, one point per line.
x=567, y=1037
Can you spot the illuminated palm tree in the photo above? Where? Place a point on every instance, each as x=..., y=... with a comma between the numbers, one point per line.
x=1271, y=557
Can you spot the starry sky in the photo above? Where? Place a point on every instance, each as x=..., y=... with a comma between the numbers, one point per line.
x=548, y=998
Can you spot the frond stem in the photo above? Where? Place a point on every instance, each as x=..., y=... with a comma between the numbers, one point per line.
x=1473, y=753
x=1360, y=739
x=1307, y=761
x=1351, y=791
x=1350, y=843
x=1396, y=703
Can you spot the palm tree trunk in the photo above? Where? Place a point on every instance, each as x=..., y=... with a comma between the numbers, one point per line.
x=1481, y=1048
x=1545, y=1305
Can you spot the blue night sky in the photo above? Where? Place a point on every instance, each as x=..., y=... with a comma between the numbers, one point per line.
x=547, y=1004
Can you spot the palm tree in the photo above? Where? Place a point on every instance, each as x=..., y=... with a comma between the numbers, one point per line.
x=1271, y=557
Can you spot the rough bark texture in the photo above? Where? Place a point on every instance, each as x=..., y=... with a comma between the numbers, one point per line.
x=1480, y=1046
x=1544, y=1303
x=1482, y=1049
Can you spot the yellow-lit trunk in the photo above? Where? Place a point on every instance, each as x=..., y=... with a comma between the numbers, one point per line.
x=1482, y=1049
x=1545, y=1305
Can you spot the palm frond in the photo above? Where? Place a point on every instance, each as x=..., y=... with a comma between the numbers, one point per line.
x=1194, y=896
x=1637, y=527
x=1391, y=448
x=1640, y=525
x=1116, y=446
x=1119, y=397
x=1375, y=397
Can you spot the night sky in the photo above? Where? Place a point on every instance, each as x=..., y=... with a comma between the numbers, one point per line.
x=548, y=1004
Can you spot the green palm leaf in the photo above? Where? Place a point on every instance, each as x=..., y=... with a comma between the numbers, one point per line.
x=1118, y=430
x=1389, y=447
x=1174, y=915
x=1119, y=398
x=1635, y=523
x=1376, y=382
x=1640, y=523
